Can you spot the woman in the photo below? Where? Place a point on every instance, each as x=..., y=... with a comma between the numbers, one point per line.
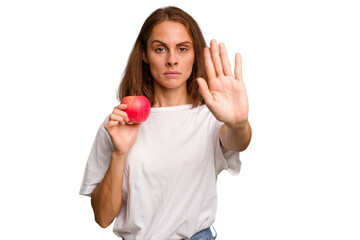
x=158, y=178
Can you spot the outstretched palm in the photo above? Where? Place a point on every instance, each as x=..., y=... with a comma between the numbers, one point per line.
x=225, y=94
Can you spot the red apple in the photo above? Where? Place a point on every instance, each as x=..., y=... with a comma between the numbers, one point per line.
x=138, y=108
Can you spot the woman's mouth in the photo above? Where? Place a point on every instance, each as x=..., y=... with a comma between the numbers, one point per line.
x=172, y=74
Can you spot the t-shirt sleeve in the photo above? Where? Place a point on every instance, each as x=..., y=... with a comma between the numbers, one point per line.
x=98, y=161
x=225, y=159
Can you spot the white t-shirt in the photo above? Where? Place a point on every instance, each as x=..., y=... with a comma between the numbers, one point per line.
x=169, y=185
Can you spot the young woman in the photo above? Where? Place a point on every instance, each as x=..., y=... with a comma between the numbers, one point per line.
x=158, y=178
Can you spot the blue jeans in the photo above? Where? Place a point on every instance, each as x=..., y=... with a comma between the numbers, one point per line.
x=205, y=234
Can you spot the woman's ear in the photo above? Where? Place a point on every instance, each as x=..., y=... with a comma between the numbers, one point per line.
x=144, y=57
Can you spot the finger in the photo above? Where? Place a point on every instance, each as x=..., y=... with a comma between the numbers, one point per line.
x=204, y=91
x=238, y=67
x=216, y=58
x=115, y=117
x=110, y=124
x=209, y=66
x=225, y=60
x=121, y=106
x=121, y=113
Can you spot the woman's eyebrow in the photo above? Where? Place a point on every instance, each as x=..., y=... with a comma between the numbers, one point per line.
x=182, y=43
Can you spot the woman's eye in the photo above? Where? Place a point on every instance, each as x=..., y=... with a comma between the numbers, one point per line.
x=183, y=49
x=160, y=49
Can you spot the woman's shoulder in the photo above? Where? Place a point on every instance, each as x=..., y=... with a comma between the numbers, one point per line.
x=203, y=108
x=204, y=114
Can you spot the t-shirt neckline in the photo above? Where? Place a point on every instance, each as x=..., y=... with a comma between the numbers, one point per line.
x=173, y=108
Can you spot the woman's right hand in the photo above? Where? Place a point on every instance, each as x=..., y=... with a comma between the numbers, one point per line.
x=122, y=135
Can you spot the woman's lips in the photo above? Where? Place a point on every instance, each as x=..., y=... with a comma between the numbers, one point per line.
x=172, y=74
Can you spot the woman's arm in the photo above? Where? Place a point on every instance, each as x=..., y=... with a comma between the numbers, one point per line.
x=226, y=97
x=236, y=138
x=106, y=199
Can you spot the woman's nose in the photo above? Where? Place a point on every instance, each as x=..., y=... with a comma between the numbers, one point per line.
x=171, y=61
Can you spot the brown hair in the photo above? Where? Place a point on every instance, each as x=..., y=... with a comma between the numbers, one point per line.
x=137, y=79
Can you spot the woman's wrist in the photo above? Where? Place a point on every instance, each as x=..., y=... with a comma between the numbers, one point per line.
x=118, y=155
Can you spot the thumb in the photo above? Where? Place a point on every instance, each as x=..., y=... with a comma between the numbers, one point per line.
x=204, y=90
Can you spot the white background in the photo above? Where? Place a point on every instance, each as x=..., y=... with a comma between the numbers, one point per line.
x=60, y=66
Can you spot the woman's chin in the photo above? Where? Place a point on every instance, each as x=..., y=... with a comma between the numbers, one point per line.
x=172, y=84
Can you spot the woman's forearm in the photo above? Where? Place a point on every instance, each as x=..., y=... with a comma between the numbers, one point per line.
x=106, y=199
x=236, y=138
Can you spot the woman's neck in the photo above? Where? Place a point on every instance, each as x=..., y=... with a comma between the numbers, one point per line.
x=170, y=100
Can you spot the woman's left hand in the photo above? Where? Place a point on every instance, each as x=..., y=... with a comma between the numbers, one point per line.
x=225, y=94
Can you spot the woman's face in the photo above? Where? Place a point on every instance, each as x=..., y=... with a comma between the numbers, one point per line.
x=170, y=54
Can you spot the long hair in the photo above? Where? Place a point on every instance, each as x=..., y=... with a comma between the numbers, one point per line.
x=137, y=79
